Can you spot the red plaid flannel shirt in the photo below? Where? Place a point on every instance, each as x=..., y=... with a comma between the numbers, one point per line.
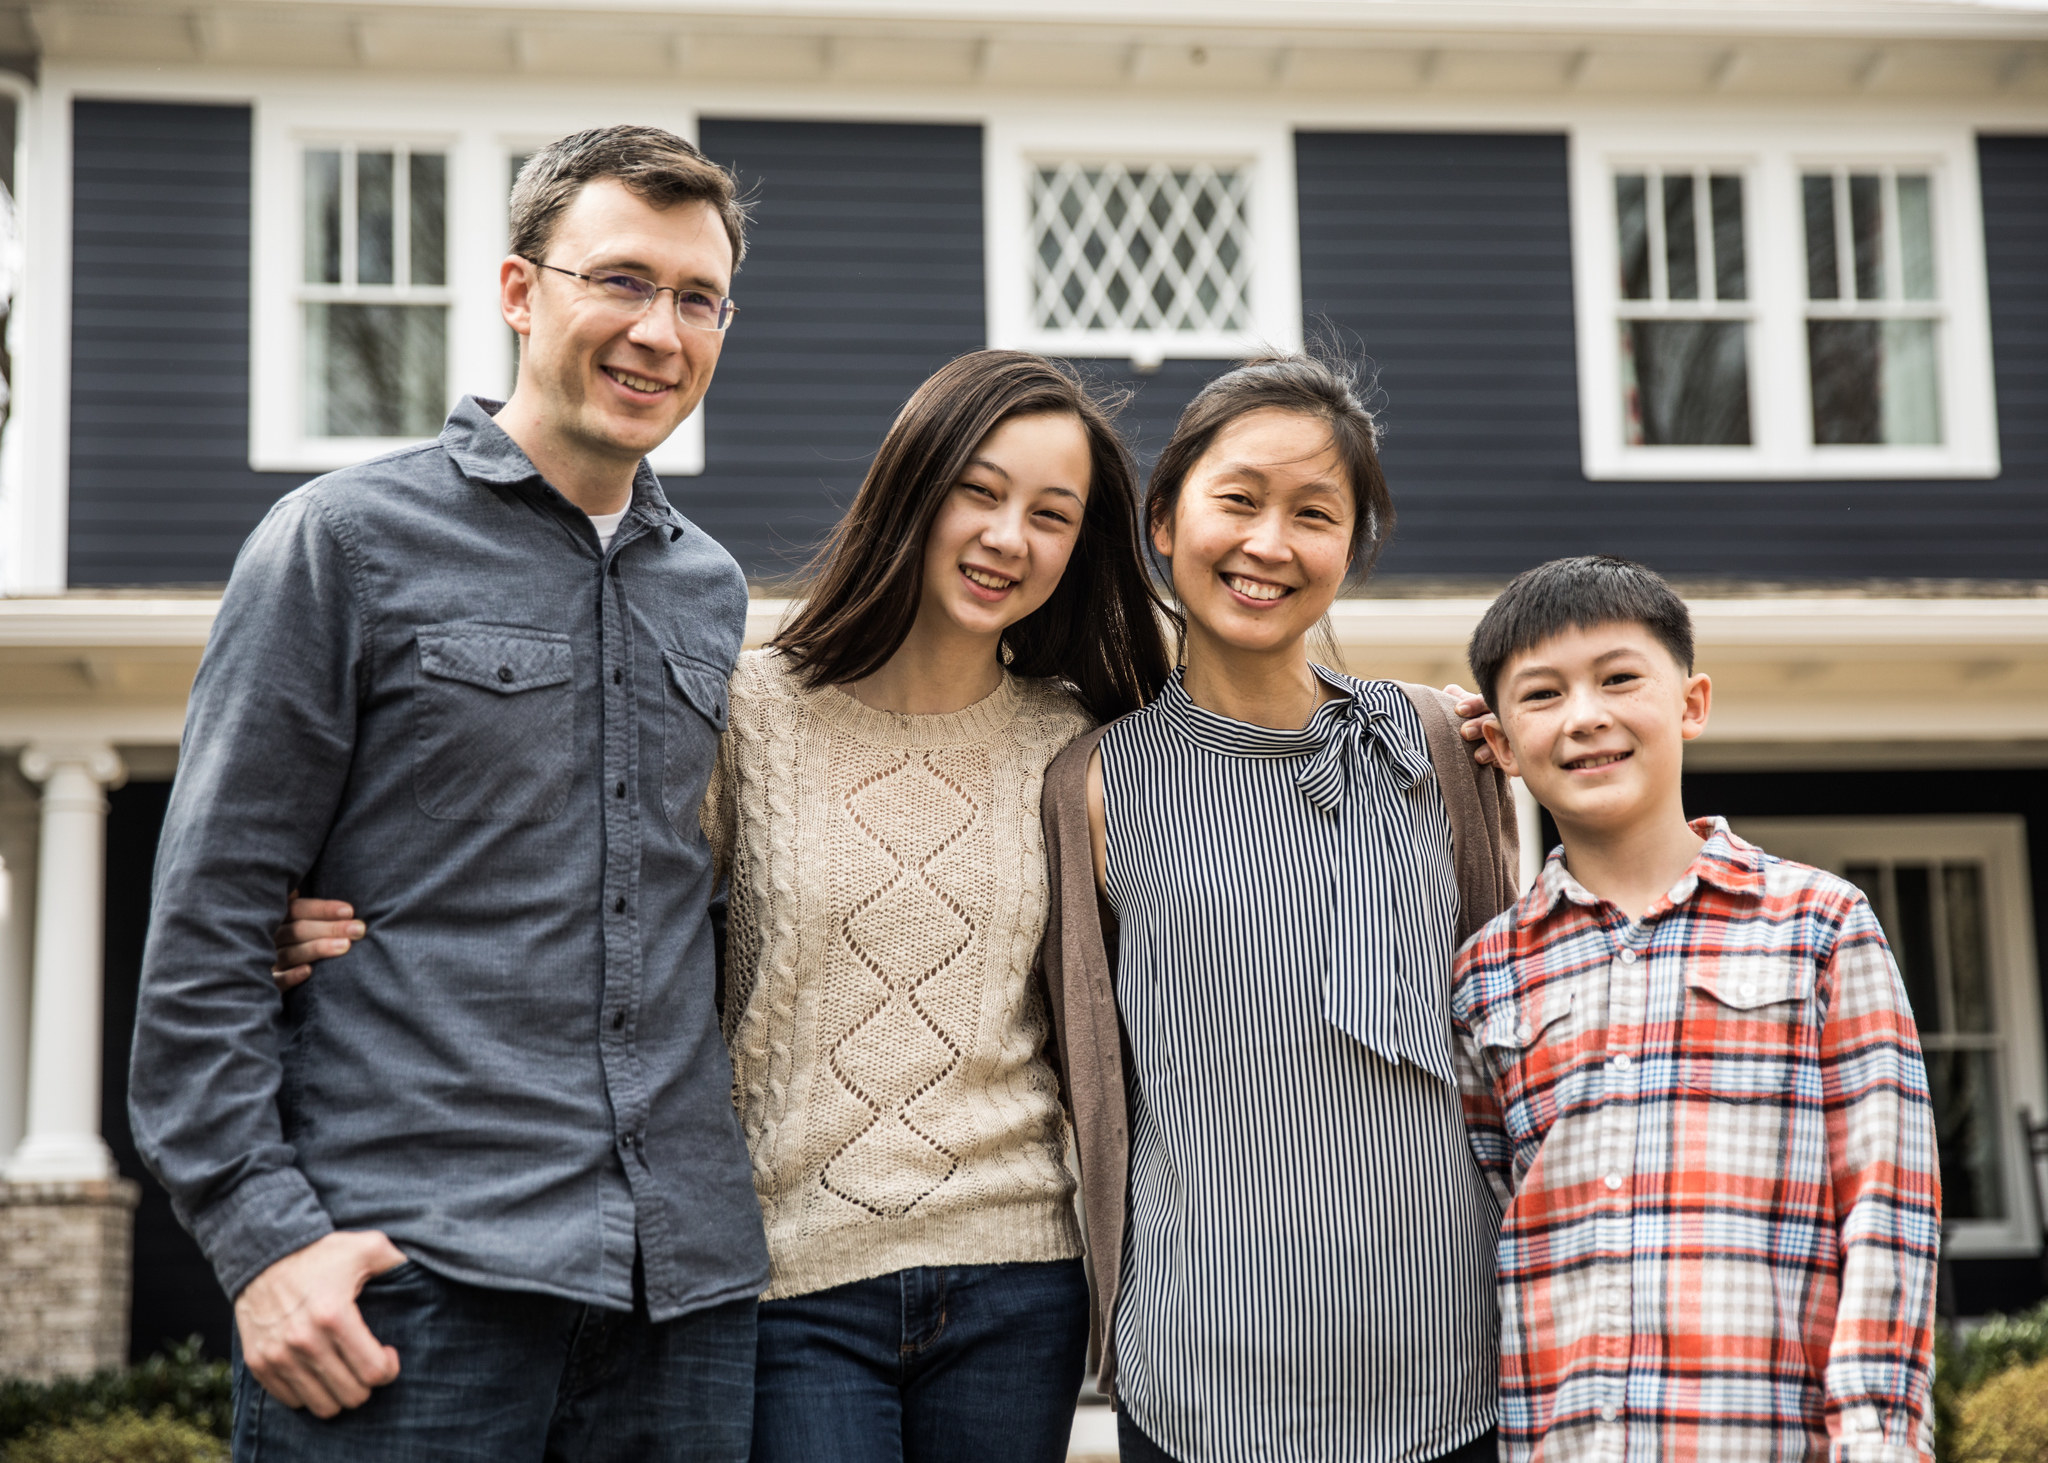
x=1711, y=1132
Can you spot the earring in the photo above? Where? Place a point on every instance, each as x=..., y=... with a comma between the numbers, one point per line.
x=1008, y=653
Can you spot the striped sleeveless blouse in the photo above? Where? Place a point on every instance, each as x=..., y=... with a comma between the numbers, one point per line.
x=1308, y=1258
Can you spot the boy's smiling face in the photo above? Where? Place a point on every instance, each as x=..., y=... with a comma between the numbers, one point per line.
x=1594, y=721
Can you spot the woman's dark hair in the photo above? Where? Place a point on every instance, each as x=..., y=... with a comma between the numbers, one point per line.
x=1098, y=632
x=1323, y=386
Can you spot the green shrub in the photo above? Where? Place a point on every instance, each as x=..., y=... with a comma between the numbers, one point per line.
x=1999, y=1345
x=2006, y=1419
x=125, y=1437
x=1948, y=1396
x=181, y=1383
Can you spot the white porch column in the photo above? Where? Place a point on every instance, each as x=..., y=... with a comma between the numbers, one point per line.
x=17, y=923
x=1529, y=823
x=63, y=1120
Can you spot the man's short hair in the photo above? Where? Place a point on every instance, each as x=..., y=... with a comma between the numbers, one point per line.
x=657, y=167
x=1576, y=594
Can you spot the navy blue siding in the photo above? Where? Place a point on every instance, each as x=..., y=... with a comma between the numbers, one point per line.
x=1449, y=257
x=1446, y=255
x=865, y=276
x=2013, y=173
x=161, y=491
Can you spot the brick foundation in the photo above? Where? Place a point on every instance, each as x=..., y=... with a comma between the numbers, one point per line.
x=66, y=1253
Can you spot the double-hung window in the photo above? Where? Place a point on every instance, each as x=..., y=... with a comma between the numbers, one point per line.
x=1951, y=896
x=1873, y=306
x=1684, y=312
x=1782, y=305
x=374, y=292
x=1152, y=242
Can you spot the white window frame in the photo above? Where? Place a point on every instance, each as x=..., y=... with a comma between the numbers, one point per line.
x=348, y=292
x=479, y=144
x=1014, y=144
x=1771, y=154
x=2001, y=844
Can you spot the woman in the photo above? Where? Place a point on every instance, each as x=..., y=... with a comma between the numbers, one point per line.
x=1286, y=858
x=876, y=806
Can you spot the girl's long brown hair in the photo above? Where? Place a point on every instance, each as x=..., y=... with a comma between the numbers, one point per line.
x=1099, y=632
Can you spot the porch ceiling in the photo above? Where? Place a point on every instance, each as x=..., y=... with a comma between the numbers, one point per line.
x=1451, y=47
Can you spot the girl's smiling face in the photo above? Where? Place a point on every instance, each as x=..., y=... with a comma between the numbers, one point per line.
x=1003, y=536
x=1260, y=537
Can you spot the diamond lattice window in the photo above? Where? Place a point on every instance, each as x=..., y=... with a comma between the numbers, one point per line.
x=1141, y=247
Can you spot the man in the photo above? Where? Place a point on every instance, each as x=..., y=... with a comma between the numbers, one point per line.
x=479, y=1193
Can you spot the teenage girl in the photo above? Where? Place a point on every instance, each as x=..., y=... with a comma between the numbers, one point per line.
x=1293, y=1248
x=876, y=808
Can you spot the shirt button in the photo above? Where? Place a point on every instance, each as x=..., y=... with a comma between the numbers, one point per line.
x=505, y=673
x=618, y=676
x=622, y=789
x=1749, y=990
x=1628, y=957
x=619, y=906
x=1614, y=1181
x=1523, y=1032
x=618, y=1019
x=1622, y=1062
x=1609, y=1412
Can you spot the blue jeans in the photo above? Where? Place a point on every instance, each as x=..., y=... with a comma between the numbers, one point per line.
x=974, y=1363
x=501, y=1376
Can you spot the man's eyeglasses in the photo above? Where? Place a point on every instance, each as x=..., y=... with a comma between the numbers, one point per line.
x=629, y=294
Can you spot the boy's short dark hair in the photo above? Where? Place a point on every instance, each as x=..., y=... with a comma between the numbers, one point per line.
x=657, y=167
x=1576, y=594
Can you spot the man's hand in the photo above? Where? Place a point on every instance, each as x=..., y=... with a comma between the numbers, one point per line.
x=302, y=1336
x=316, y=929
x=1471, y=706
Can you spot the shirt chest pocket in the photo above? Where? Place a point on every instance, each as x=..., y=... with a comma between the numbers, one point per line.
x=495, y=717
x=1743, y=1026
x=693, y=717
x=1529, y=1043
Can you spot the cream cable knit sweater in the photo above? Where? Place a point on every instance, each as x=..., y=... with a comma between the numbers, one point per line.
x=888, y=1033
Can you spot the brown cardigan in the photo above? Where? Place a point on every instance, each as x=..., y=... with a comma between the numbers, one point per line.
x=1080, y=971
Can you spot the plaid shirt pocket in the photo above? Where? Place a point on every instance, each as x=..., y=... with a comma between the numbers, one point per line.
x=1744, y=1022
x=1529, y=1045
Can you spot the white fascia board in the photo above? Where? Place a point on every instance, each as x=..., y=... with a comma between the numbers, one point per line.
x=124, y=723
x=1810, y=627
x=369, y=89
x=79, y=622
x=1916, y=19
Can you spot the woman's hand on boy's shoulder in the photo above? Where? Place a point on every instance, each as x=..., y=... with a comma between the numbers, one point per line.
x=1473, y=717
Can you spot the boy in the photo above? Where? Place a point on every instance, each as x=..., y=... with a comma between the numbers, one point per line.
x=1691, y=1075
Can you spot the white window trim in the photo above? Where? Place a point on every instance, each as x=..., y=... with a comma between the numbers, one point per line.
x=1770, y=155
x=1012, y=143
x=2000, y=842
x=35, y=445
x=479, y=143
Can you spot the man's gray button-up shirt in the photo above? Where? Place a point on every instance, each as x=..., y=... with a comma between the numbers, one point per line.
x=431, y=693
